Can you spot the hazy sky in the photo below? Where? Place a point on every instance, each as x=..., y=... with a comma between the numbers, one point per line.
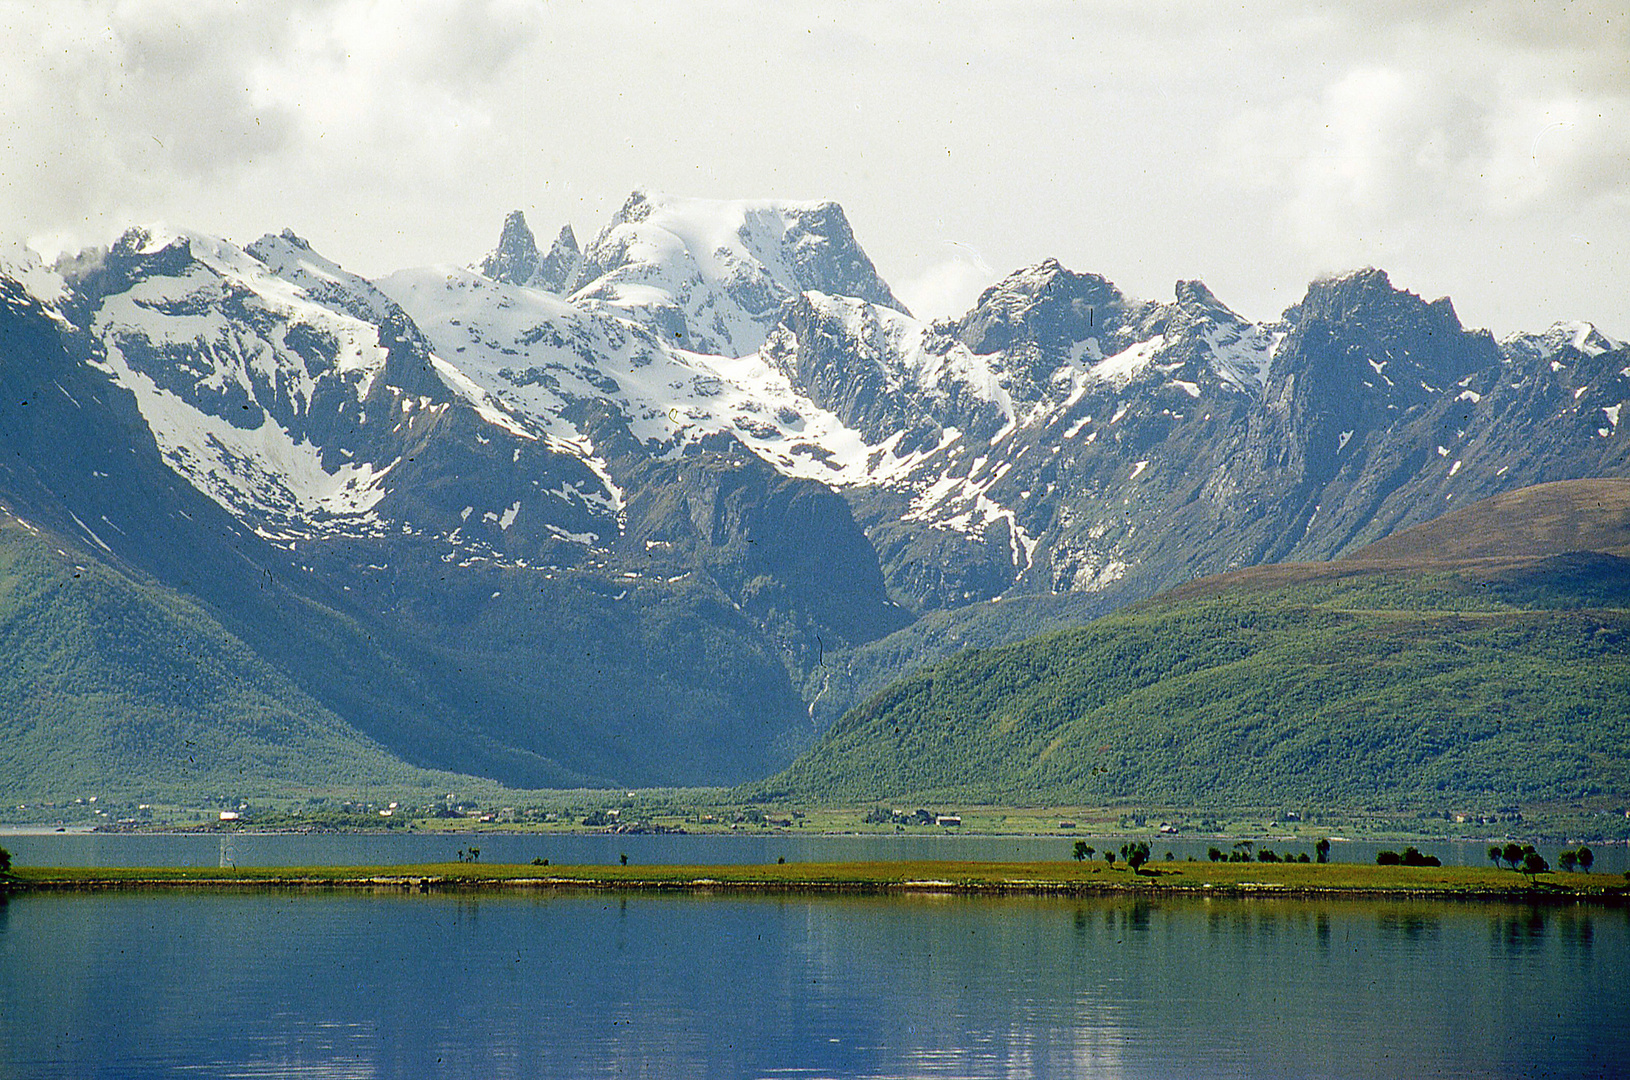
x=1482, y=153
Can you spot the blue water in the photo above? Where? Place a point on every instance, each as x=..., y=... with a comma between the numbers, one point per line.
x=281, y=984
x=386, y=849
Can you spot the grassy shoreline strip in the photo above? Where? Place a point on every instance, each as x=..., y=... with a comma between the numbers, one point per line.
x=1158, y=879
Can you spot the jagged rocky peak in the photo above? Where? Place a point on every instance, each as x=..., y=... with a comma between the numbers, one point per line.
x=827, y=258
x=140, y=253
x=1194, y=308
x=557, y=271
x=1360, y=319
x=1208, y=338
x=141, y=240
x=139, y=245
x=1368, y=297
x=515, y=259
x=635, y=209
x=292, y=258
x=1197, y=301
x=1044, y=305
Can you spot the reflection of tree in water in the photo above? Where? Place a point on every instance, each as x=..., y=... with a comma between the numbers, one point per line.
x=1575, y=929
x=1413, y=925
x=1296, y=922
x=1521, y=931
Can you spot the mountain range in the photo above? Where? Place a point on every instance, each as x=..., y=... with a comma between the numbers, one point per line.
x=659, y=509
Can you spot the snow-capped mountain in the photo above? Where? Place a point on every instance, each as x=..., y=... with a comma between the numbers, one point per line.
x=712, y=276
x=627, y=512
x=252, y=393
x=307, y=403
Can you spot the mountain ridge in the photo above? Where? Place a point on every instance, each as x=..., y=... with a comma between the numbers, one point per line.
x=773, y=531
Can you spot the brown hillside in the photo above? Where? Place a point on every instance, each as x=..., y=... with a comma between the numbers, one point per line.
x=1531, y=522
x=1495, y=536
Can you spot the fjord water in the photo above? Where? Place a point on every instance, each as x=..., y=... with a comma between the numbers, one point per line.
x=397, y=984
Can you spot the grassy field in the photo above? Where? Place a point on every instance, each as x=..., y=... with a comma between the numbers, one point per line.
x=1156, y=879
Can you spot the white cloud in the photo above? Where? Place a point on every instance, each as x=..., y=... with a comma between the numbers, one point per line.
x=1565, y=151
x=948, y=287
x=1455, y=147
x=1383, y=147
x=135, y=106
x=1150, y=141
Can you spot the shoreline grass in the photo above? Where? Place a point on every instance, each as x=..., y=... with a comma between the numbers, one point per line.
x=1164, y=879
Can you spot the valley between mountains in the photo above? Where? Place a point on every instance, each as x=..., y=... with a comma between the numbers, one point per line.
x=701, y=500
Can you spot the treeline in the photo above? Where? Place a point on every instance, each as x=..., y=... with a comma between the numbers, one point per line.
x=1411, y=856
x=1523, y=858
x=1241, y=852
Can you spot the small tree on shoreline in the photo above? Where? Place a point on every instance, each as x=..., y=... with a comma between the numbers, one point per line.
x=1533, y=863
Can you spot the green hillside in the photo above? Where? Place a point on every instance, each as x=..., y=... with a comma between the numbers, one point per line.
x=115, y=687
x=1500, y=673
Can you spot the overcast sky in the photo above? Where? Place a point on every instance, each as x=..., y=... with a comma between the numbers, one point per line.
x=1482, y=155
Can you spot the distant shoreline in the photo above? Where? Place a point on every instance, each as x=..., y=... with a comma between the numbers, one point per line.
x=1391, y=836
x=1159, y=880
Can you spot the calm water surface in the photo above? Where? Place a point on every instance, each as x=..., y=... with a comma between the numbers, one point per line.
x=358, y=985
